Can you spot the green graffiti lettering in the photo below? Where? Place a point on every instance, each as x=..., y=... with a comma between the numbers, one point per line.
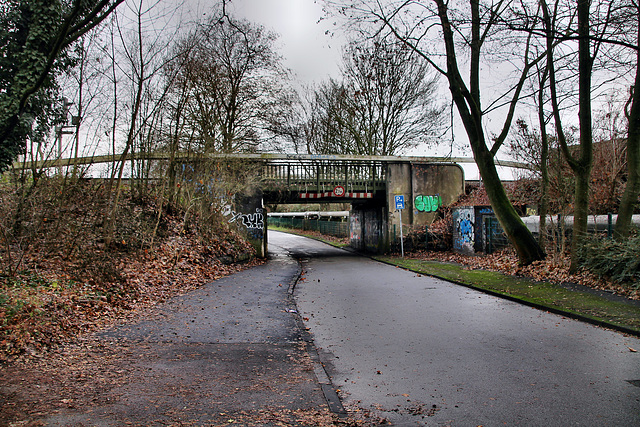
x=427, y=203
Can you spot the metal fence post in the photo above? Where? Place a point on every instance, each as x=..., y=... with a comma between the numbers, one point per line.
x=560, y=236
x=489, y=234
x=426, y=237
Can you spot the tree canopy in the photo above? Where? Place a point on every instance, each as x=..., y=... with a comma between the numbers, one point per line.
x=35, y=37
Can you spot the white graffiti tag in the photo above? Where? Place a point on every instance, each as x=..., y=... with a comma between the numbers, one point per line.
x=255, y=220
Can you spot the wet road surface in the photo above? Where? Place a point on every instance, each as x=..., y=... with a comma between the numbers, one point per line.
x=229, y=353
x=422, y=351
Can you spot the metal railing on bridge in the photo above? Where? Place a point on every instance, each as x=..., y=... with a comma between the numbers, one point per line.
x=268, y=158
x=306, y=175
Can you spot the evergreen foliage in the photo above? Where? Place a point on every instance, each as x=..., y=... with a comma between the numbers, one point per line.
x=24, y=28
x=35, y=37
x=617, y=260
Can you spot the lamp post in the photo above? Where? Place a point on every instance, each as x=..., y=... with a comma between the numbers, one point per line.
x=62, y=129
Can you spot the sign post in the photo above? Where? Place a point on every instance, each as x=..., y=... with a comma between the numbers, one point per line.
x=399, y=207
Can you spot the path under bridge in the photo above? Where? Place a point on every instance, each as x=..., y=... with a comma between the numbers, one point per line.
x=368, y=183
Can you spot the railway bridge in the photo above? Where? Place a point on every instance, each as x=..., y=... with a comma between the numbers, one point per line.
x=368, y=183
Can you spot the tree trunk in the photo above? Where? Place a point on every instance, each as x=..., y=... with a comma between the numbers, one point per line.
x=630, y=197
x=544, y=167
x=581, y=162
x=111, y=215
x=582, y=167
x=526, y=246
x=580, y=213
x=469, y=106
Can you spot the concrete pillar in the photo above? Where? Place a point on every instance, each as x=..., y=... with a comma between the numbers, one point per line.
x=368, y=227
x=356, y=228
x=398, y=183
x=434, y=185
x=425, y=187
x=252, y=220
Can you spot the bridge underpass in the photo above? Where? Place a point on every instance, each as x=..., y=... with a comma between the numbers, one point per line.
x=369, y=184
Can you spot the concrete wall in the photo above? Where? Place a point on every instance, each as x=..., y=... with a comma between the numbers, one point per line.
x=425, y=187
x=251, y=219
x=399, y=182
x=434, y=186
x=368, y=228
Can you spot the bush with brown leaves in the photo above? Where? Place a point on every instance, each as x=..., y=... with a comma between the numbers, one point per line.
x=58, y=278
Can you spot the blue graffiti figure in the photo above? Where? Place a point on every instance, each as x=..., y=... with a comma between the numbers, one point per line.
x=465, y=229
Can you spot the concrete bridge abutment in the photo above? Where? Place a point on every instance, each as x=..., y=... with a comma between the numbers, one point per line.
x=254, y=220
x=375, y=226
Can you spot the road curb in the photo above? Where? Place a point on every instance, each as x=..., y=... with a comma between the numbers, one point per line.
x=328, y=389
x=576, y=316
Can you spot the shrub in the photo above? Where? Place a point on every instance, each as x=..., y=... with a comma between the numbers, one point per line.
x=619, y=261
x=435, y=237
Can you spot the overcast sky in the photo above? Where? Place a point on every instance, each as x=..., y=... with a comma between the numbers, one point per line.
x=310, y=53
x=307, y=50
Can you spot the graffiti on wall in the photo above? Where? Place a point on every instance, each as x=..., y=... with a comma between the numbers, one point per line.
x=371, y=230
x=355, y=228
x=427, y=203
x=253, y=222
x=464, y=229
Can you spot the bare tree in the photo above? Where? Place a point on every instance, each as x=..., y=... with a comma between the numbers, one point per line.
x=438, y=35
x=544, y=159
x=632, y=110
x=299, y=127
x=234, y=72
x=531, y=145
x=609, y=156
x=559, y=25
x=586, y=43
x=143, y=49
x=386, y=104
x=333, y=120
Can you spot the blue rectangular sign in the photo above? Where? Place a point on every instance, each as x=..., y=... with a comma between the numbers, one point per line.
x=399, y=202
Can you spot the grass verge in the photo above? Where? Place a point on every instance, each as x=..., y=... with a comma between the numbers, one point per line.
x=549, y=296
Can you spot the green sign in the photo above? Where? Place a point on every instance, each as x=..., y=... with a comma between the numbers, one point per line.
x=427, y=203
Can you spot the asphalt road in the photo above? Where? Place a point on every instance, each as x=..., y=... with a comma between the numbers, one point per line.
x=422, y=351
x=229, y=353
